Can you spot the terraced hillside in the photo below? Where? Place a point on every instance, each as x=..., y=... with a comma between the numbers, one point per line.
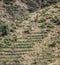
x=32, y=39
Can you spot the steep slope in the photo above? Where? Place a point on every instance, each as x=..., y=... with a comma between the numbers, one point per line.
x=18, y=10
x=32, y=39
x=12, y=9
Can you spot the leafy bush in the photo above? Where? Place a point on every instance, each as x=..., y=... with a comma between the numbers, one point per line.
x=4, y=29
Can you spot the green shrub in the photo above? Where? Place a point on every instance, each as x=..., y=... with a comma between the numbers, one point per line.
x=4, y=29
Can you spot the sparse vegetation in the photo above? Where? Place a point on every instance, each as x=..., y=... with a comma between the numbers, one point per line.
x=30, y=35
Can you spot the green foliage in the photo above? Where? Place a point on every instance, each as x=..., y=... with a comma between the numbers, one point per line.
x=35, y=4
x=4, y=29
x=56, y=20
x=8, y=1
x=14, y=38
x=53, y=44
